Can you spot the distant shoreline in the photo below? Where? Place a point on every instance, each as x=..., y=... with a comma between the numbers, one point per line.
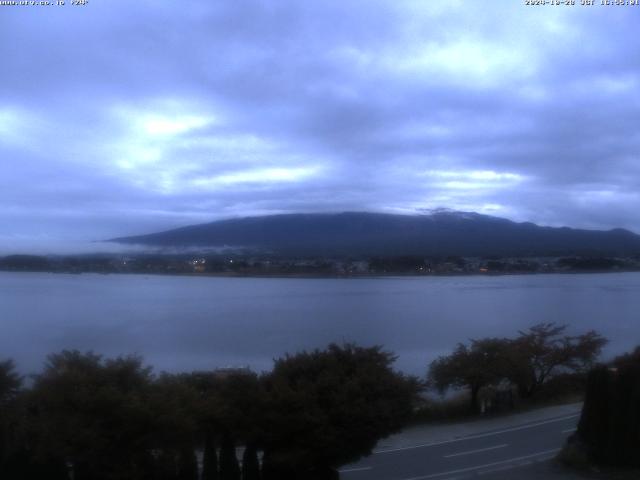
x=271, y=266
x=311, y=276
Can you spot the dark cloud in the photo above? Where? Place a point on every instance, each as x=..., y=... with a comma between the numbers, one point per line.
x=119, y=118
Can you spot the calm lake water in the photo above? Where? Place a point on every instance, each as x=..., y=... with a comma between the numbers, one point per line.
x=185, y=323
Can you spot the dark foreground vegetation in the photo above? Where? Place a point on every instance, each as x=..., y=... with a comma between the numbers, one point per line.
x=498, y=372
x=541, y=365
x=609, y=430
x=85, y=417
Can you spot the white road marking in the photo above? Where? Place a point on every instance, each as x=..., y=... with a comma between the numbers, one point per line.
x=357, y=469
x=480, y=435
x=496, y=469
x=476, y=451
x=520, y=464
x=486, y=465
x=569, y=430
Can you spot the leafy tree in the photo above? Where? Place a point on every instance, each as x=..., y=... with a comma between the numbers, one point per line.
x=330, y=407
x=93, y=413
x=237, y=405
x=628, y=359
x=528, y=361
x=482, y=363
x=10, y=381
x=230, y=406
x=111, y=419
x=544, y=350
x=175, y=405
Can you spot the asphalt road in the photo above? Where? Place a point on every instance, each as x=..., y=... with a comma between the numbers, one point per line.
x=488, y=455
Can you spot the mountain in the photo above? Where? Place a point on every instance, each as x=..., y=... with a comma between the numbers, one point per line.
x=362, y=234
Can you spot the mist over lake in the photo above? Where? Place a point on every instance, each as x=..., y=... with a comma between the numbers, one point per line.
x=188, y=323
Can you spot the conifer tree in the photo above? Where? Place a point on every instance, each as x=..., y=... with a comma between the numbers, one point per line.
x=210, y=459
x=250, y=464
x=187, y=464
x=229, y=468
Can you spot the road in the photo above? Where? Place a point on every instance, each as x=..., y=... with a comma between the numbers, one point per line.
x=486, y=455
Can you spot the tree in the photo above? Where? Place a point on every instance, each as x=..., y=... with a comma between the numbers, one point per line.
x=209, y=458
x=543, y=350
x=481, y=363
x=187, y=463
x=230, y=408
x=10, y=381
x=93, y=413
x=628, y=359
x=250, y=464
x=236, y=404
x=528, y=361
x=229, y=468
x=609, y=428
x=175, y=406
x=330, y=407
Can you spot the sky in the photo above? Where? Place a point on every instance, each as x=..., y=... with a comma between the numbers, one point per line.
x=122, y=117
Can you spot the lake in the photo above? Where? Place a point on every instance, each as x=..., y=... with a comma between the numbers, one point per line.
x=187, y=323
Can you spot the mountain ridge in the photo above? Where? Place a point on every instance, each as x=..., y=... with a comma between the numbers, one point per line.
x=370, y=233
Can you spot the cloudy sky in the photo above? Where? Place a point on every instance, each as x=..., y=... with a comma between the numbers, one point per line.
x=125, y=117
